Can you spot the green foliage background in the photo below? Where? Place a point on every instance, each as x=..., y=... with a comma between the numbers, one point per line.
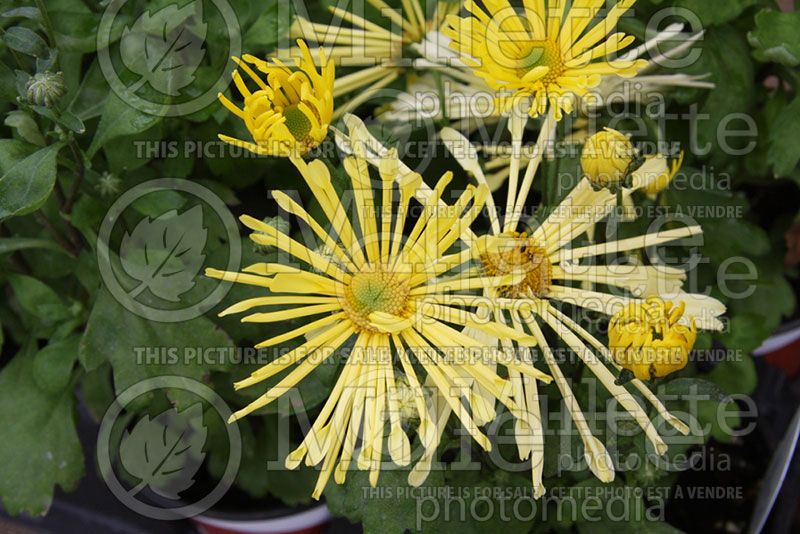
x=66, y=341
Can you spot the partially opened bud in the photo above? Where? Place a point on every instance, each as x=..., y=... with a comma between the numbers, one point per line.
x=649, y=339
x=607, y=157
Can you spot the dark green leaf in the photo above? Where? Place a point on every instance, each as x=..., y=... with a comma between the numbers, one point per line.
x=52, y=365
x=120, y=119
x=39, y=446
x=123, y=339
x=26, y=41
x=775, y=37
x=784, y=150
x=38, y=299
x=26, y=185
x=26, y=12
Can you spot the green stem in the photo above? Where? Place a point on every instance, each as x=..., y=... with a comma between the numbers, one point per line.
x=60, y=239
x=76, y=185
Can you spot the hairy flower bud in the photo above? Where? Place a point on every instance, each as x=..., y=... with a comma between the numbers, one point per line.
x=45, y=89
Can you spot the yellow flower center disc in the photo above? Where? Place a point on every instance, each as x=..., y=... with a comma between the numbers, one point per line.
x=544, y=53
x=297, y=122
x=370, y=292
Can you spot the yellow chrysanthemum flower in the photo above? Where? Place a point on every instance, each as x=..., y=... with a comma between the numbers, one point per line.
x=607, y=158
x=552, y=273
x=545, y=52
x=395, y=296
x=289, y=114
x=380, y=54
x=648, y=339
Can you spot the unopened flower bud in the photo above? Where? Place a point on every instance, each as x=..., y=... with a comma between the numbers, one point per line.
x=607, y=157
x=45, y=89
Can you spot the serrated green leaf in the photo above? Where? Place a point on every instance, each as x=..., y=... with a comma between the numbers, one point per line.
x=39, y=445
x=118, y=336
x=735, y=375
x=784, y=150
x=775, y=37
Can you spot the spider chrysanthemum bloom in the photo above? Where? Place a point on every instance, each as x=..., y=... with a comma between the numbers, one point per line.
x=545, y=51
x=289, y=113
x=553, y=275
x=380, y=52
x=648, y=339
x=394, y=296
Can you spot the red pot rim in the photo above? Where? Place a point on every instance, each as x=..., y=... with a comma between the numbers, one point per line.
x=301, y=521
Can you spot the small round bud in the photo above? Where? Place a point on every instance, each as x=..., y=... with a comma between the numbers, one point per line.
x=280, y=224
x=108, y=185
x=45, y=89
x=405, y=396
x=607, y=157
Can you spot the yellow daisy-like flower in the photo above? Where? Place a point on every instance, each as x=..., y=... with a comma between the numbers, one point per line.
x=552, y=272
x=547, y=52
x=396, y=297
x=289, y=114
x=381, y=54
x=648, y=339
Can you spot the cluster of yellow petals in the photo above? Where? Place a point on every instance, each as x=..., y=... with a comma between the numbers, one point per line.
x=289, y=113
x=544, y=52
x=648, y=339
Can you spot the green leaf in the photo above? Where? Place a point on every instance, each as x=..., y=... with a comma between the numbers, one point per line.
x=784, y=150
x=25, y=126
x=52, y=365
x=139, y=349
x=713, y=12
x=64, y=118
x=12, y=151
x=31, y=13
x=26, y=41
x=39, y=446
x=736, y=375
x=119, y=119
x=268, y=27
x=726, y=57
x=28, y=184
x=694, y=387
x=775, y=37
x=385, y=510
x=13, y=244
x=38, y=299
